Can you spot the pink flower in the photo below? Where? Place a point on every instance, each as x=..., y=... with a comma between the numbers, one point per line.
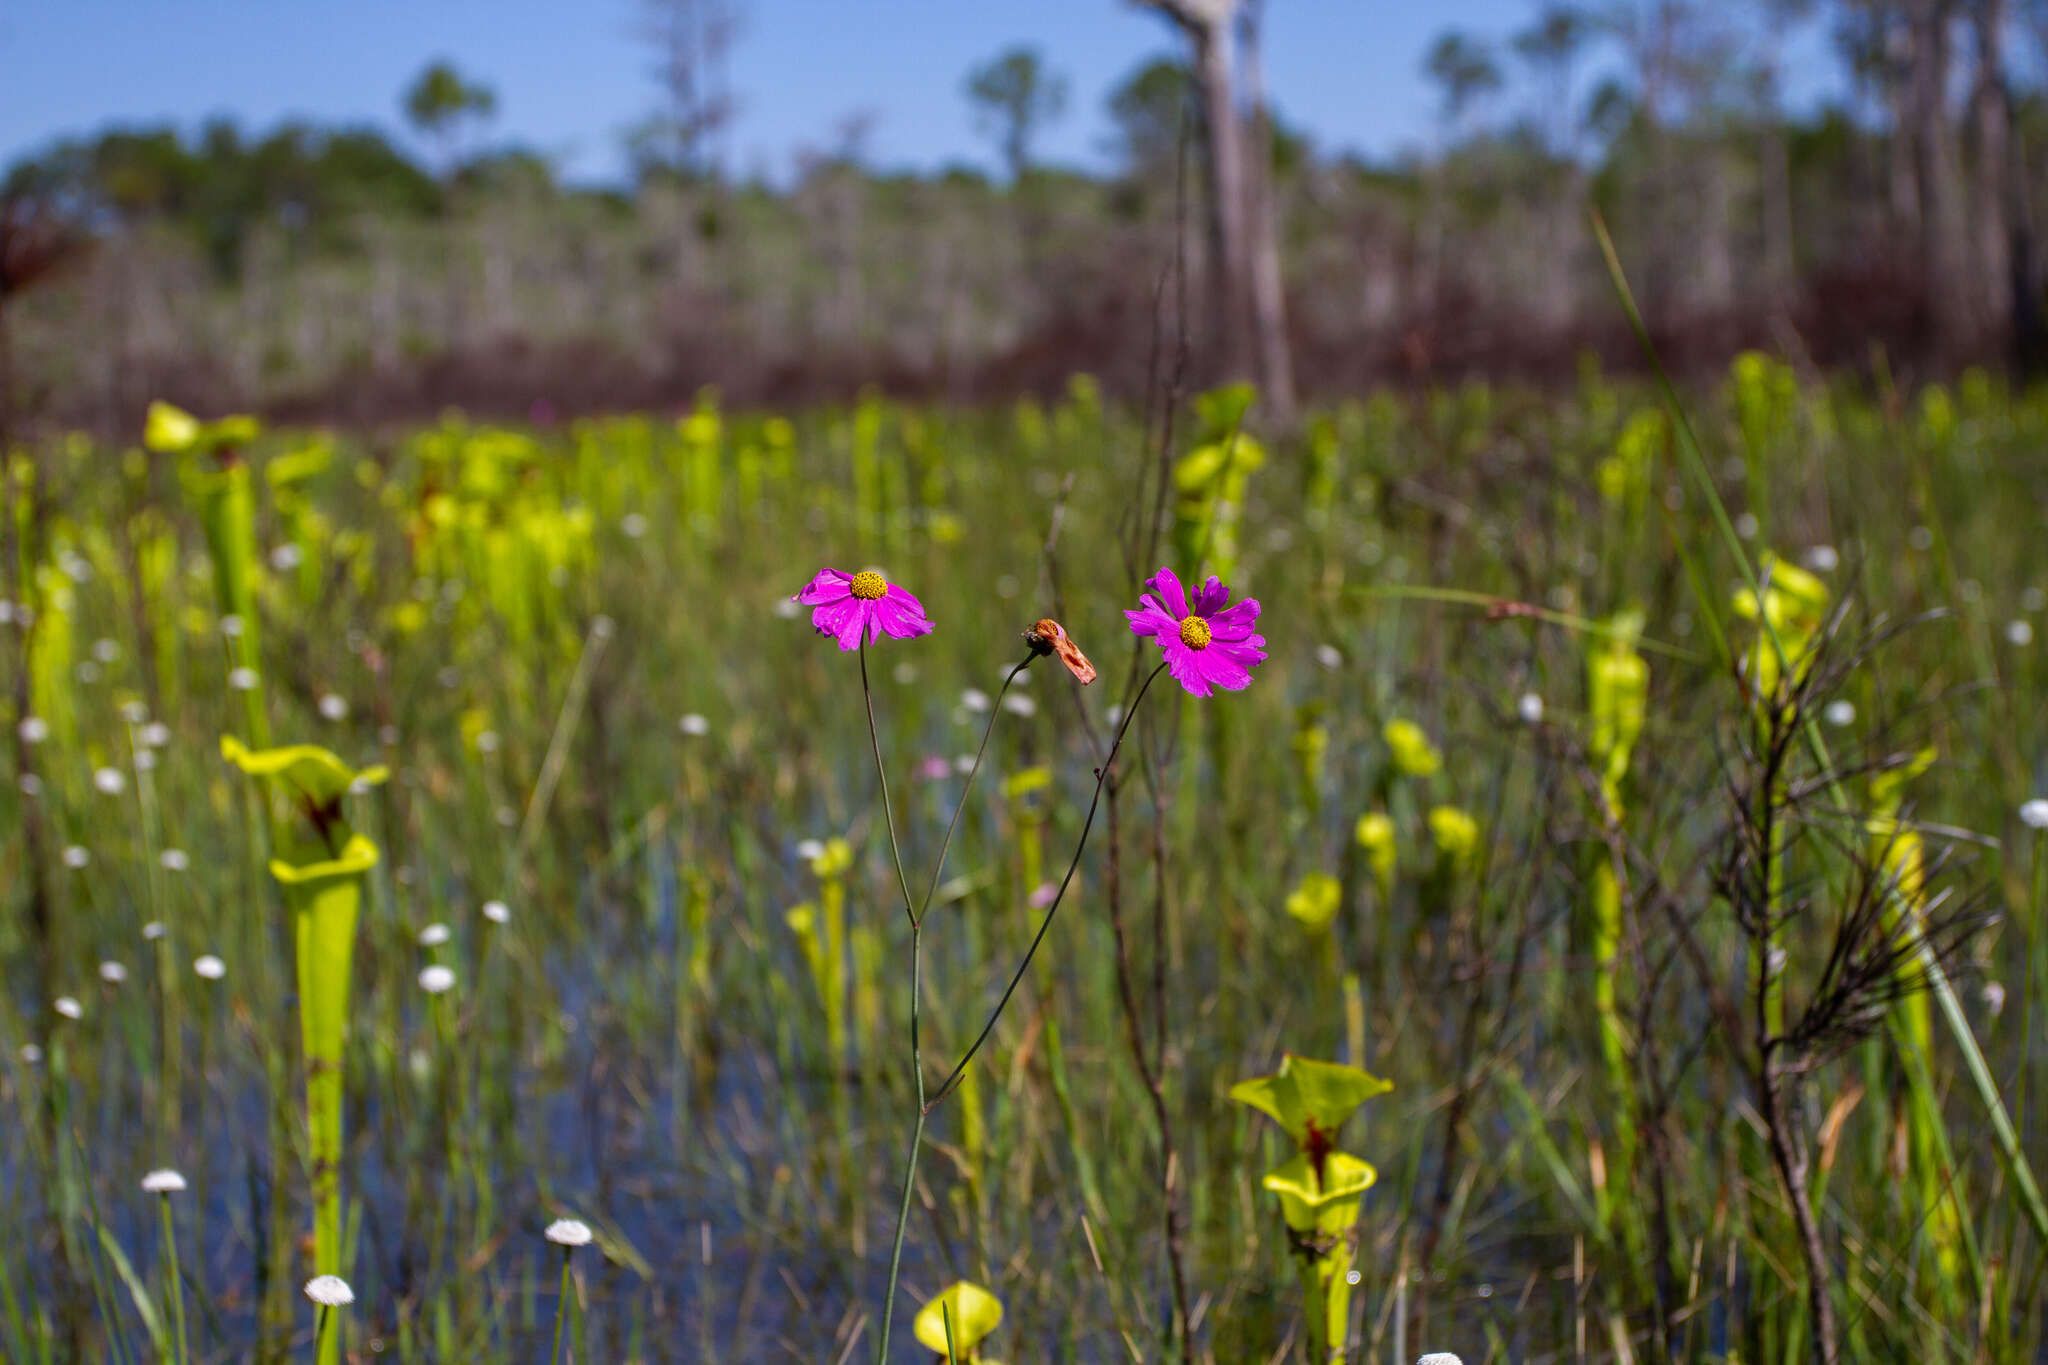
x=846, y=603
x=1206, y=643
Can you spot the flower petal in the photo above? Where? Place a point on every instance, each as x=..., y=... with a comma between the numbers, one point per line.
x=832, y=618
x=1209, y=599
x=901, y=616
x=1246, y=654
x=1234, y=623
x=1185, y=666
x=1167, y=585
x=831, y=585
x=1223, y=670
x=862, y=618
x=1148, y=619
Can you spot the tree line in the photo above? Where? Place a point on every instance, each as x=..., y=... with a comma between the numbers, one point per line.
x=320, y=265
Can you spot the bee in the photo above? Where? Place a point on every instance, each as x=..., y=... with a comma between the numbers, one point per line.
x=1048, y=636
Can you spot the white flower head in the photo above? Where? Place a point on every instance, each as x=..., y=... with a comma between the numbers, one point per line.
x=497, y=912
x=788, y=608
x=487, y=741
x=210, y=967
x=77, y=856
x=1439, y=1358
x=1994, y=998
x=332, y=707
x=174, y=859
x=153, y=931
x=33, y=729
x=155, y=734
x=437, y=980
x=134, y=712
x=31, y=785
x=105, y=650
x=242, y=679
x=2019, y=634
x=1017, y=704
x=974, y=699
x=1329, y=656
x=1839, y=713
x=68, y=1006
x=231, y=626
x=330, y=1291
x=433, y=936
x=145, y=760
x=569, y=1232
x=2034, y=813
x=31, y=1055
x=1530, y=709
x=602, y=627
x=2033, y=599
x=905, y=673
x=1746, y=525
x=1823, y=559
x=634, y=525
x=110, y=781
x=810, y=850
x=285, y=557
x=113, y=973
x=694, y=725
x=163, y=1182
x=963, y=764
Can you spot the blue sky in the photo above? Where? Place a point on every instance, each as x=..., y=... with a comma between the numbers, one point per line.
x=571, y=75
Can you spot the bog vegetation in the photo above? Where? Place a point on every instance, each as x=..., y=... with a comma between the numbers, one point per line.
x=1606, y=923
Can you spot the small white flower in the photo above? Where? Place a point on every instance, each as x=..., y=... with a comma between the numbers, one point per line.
x=1920, y=538
x=242, y=679
x=905, y=673
x=153, y=931
x=634, y=525
x=174, y=859
x=30, y=1053
x=810, y=850
x=1839, y=713
x=87, y=672
x=2019, y=634
x=963, y=764
x=1017, y=704
x=231, y=626
x=110, y=780
x=210, y=967
x=602, y=627
x=6, y=612
x=33, y=729
x=361, y=787
x=2034, y=813
x=1746, y=525
x=1530, y=709
x=497, y=912
x=1776, y=959
x=507, y=816
x=974, y=699
x=1823, y=559
x=1114, y=715
x=1994, y=998
x=694, y=725
x=2033, y=599
x=1329, y=656
x=156, y=734
x=433, y=936
x=77, y=856
x=145, y=760
x=105, y=650
x=285, y=557
x=31, y=785
x=332, y=707
x=163, y=1182
x=568, y=1232
x=68, y=1006
x=487, y=741
x=134, y=712
x=788, y=608
x=1439, y=1358
x=437, y=980
x=330, y=1291
x=113, y=973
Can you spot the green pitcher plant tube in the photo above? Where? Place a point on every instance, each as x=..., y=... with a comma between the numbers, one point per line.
x=319, y=862
x=1320, y=1188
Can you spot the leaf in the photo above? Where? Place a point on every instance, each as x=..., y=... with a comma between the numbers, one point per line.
x=306, y=769
x=1304, y=1092
x=145, y=1303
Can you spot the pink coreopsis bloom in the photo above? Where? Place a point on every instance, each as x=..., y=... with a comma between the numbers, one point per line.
x=1207, y=644
x=844, y=604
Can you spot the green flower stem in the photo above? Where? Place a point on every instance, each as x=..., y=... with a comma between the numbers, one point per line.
x=177, y=1284
x=561, y=1309
x=1315, y=1314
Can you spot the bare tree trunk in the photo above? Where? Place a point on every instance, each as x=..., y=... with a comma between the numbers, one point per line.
x=1992, y=211
x=1944, y=250
x=1268, y=284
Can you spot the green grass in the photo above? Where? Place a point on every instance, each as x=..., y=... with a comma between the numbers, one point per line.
x=647, y=1044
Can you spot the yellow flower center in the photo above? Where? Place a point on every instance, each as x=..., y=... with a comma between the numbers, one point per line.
x=868, y=585
x=1195, y=633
